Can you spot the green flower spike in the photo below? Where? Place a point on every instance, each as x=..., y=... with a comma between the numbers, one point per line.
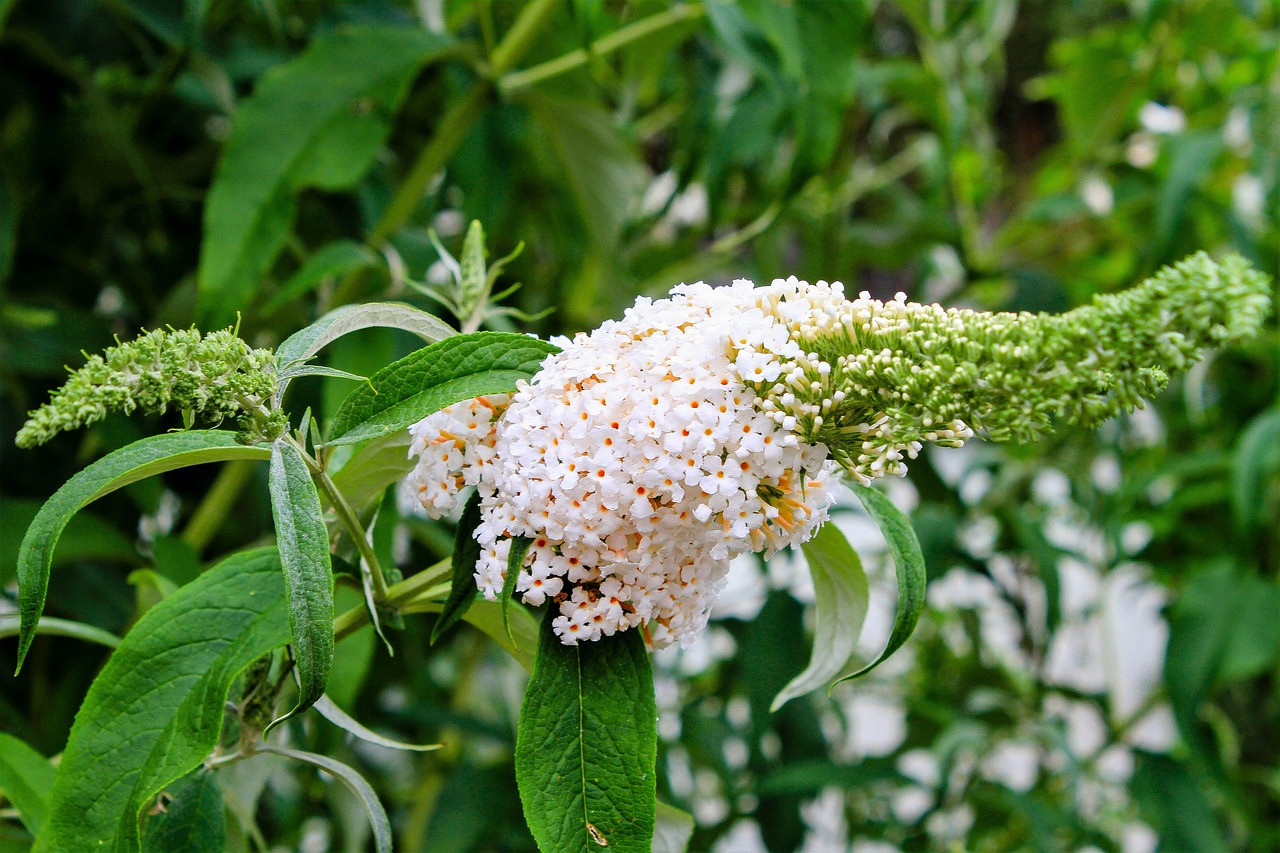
x=881, y=378
x=216, y=375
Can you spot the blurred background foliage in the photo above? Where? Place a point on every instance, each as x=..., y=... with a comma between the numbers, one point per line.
x=1098, y=666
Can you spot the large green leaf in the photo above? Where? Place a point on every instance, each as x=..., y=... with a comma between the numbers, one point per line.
x=840, y=597
x=155, y=711
x=586, y=745
x=143, y=458
x=436, y=376
x=318, y=121
x=192, y=820
x=26, y=777
x=908, y=561
x=303, y=541
x=1255, y=462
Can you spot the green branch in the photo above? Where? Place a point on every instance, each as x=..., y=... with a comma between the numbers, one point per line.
x=615, y=41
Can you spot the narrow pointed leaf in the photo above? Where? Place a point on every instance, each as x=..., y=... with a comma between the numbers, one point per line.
x=466, y=553
x=192, y=820
x=908, y=562
x=356, y=783
x=328, y=709
x=515, y=561
x=436, y=376
x=840, y=597
x=26, y=778
x=303, y=541
x=155, y=711
x=587, y=744
x=317, y=121
x=144, y=458
x=352, y=318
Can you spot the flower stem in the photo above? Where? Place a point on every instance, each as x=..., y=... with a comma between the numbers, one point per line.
x=630, y=34
x=396, y=596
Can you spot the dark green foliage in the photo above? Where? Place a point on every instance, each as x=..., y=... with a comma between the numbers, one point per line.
x=162, y=163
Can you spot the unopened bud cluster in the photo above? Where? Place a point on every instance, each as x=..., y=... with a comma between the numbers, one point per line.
x=216, y=375
x=645, y=455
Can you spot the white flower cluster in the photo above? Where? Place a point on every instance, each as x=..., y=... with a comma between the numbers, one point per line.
x=639, y=460
x=453, y=448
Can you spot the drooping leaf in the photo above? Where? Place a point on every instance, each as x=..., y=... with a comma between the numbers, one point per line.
x=672, y=829
x=349, y=724
x=155, y=711
x=192, y=818
x=144, y=458
x=466, y=553
x=436, y=376
x=26, y=778
x=908, y=563
x=586, y=745
x=356, y=783
x=515, y=562
x=840, y=597
x=305, y=343
x=334, y=259
x=303, y=541
x=318, y=121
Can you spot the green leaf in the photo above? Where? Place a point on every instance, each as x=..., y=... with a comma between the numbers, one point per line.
x=487, y=616
x=26, y=778
x=672, y=829
x=840, y=597
x=150, y=588
x=466, y=553
x=358, y=786
x=317, y=121
x=155, y=711
x=381, y=462
x=603, y=171
x=192, y=820
x=908, y=561
x=303, y=541
x=1255, y=461
x=587, y=743
x=1175, y=805
x=436, y=376
x=335, y=259
x=303, y=344
x=10, y=626
x=86, y=537
x=139, y=460
x=515, y=562
x=349, y=724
